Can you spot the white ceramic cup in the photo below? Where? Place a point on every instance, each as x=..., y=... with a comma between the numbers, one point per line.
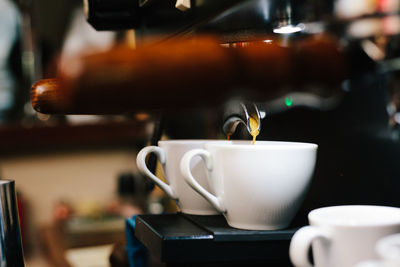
x=257, y=187
x=343, y=236
x=388, y=249
x=374, y=263
x=170, y=153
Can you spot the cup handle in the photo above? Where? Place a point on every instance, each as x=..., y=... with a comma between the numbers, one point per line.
x=301, y=243
x=187, y=174
x=141, y=164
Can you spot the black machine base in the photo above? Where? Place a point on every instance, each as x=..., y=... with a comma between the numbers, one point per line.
x=192, y=240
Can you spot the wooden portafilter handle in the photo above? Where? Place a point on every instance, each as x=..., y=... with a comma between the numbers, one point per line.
x=182, y=74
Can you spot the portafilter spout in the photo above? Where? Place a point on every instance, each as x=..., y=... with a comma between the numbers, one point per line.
x=240, y=112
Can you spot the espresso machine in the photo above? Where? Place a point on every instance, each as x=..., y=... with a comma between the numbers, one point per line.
x=315, y=71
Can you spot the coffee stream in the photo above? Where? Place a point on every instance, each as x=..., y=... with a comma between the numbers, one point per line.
x=254, y=125
x=254, y=128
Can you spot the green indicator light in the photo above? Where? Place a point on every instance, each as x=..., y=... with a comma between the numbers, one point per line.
x=288, y=101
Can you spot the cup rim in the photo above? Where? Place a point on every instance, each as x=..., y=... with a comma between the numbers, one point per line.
x=316, y=216
x=190, y=141
x=185, y=142
x=263, y=145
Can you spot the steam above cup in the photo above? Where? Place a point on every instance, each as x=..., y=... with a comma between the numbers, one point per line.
x=256, y=187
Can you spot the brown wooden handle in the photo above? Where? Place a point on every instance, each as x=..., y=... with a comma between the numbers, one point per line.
x=47, y=96
x=178, y=74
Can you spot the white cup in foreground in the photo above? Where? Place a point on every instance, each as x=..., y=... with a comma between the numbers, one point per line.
x=374, y=263
x=388, y=249
x=343, y=236
x=257, y=187
x=170, y=153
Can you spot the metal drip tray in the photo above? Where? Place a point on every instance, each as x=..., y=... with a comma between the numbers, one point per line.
x=180, y=239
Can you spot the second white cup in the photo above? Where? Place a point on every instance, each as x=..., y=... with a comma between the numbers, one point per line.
x=170, y=153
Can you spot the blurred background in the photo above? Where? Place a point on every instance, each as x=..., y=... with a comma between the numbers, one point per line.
x=76, y=175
